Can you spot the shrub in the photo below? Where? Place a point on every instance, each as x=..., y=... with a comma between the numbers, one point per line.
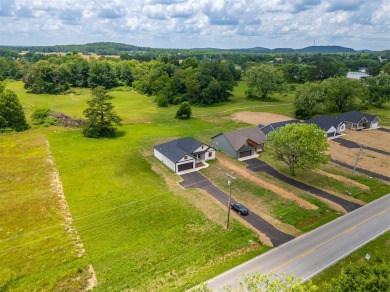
x=184, y=112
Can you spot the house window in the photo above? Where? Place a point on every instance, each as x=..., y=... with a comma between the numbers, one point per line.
x=210, y=154
x=197, y=156
x=185, y=157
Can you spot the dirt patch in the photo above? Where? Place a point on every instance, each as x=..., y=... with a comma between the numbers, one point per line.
x=373, y=138
x=369, y=160
x=92, y=282
x=257, y=118
x=265, y=184
x=69, y=226
x=344, y=179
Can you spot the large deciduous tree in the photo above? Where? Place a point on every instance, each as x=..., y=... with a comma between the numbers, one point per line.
x=378, y=88
x=263, y=80
x=300, y=146
x=100, y=115
x=309, y=100
x=11, y=111
x=343, y=94
x=101, y=73
x=47, y=77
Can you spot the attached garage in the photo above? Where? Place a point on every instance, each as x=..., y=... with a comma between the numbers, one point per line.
x=245, y=153
x=185, y=166
x=184, y=154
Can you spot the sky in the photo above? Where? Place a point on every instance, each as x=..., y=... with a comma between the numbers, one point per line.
x=357, y=24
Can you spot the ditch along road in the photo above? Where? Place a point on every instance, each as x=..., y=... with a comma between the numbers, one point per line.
x=257, y=165
x=197, y=180
x=309, y=254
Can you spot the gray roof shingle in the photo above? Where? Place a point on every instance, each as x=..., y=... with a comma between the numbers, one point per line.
x=238, y=138
x=177, y=149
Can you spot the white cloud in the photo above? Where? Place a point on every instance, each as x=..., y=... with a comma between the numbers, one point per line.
x=197, y=23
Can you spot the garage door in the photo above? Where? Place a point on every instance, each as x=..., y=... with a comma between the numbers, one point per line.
x=185, y=166
x=331, y=134
x=245, y=153
x=374, y=125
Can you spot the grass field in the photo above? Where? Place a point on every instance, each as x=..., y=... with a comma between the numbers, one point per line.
x=36, y=251
x=140, y=231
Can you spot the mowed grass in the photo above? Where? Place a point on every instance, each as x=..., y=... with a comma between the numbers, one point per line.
x=36, y=252
x=137, y=234
x=271, y=203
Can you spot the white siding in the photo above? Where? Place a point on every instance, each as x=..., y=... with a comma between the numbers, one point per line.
x=207, y=157
x=341, y=128
x=164, y=160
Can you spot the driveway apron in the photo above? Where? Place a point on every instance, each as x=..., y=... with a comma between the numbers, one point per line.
x=257, y=165
x=351, y=144
x=197, y=180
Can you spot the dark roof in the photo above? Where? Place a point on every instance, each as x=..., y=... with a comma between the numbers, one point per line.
x=355, y=117
x=324, y=122
x=177, y=149
x=274, y=126
x=238, y=138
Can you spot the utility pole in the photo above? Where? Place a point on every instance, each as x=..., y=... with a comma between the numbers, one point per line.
x=230, y=178
x=357, y=159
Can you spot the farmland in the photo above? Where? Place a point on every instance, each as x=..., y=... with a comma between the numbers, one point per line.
x=139, y=229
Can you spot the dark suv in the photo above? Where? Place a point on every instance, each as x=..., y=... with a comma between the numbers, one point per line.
x=239, y=208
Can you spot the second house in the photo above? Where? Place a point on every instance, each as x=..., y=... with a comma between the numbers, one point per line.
x=240, y=144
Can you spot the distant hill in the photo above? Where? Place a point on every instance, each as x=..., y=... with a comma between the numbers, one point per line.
x=110, y=48
x=325, y=49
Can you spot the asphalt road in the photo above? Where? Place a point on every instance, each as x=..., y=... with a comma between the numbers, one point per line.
x=362, y=170
x=197, y=180
x=311, y=253
x=256, y=165
x=351, y=144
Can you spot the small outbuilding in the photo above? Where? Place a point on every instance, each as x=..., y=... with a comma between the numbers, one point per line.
x=356, y=120
x=240, y=143
x=184, y=154
x=331, y=125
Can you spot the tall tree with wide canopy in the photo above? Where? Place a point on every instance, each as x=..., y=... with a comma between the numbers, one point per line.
x=100, y=115
x=309, y=100
x=263, y=80
x=47, y=77
x=343, y=94
x=11, y=111
x=300, y=146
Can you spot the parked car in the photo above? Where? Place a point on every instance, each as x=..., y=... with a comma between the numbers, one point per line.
x=239, y=208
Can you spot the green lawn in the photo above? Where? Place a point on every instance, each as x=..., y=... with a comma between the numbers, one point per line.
x=138, y=234
x=36, y=252
x=272, y=204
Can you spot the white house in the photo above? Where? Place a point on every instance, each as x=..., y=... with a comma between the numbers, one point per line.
x=184, y=154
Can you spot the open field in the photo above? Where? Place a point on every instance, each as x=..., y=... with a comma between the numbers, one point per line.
x=140, y=230
x=39, y=249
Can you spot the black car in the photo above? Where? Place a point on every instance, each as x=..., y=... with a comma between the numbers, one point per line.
x=239, y=208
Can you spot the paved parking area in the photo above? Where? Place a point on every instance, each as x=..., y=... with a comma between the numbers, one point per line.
x=197, y=180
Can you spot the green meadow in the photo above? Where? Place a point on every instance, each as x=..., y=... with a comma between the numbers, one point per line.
x=140, y=231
